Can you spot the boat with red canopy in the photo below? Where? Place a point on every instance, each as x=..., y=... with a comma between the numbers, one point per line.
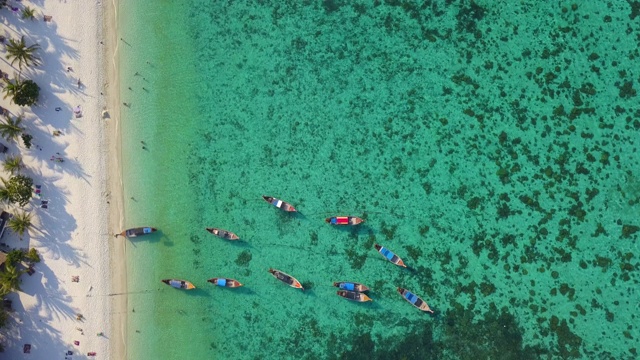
x=344, y=220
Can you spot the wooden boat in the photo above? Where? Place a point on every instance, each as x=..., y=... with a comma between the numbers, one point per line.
x=179, y=284
x=225, y=282
x=343, y=220
x=139, y=231
x=414, y=300
x=224, y=234
x=279, y=203
x=390, y=255
x=351, y=286
x=354, y=296
x=286, y=278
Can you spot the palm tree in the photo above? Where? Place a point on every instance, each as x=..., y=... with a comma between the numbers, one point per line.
x=11, y=88
x=28, y=13
x=5, y=194
x=13, y=164
x=10, y=279
x=20, y=52
x=20, y=223
x=11, y=129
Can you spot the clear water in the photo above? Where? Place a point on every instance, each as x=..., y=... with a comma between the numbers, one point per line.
x=491, y=145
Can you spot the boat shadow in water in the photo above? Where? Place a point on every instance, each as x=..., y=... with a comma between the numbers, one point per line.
x=198, y=291
x=354, y=230
x=151, y=238
x=243, y=290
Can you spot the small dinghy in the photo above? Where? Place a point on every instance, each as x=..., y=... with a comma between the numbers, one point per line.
x=231, y=283
x=414, y=300
x=354, y=296
x=344, y=220
x=390, y=255
x=350, y=286
x=286, y=278
x=223, y=234
x=179, y=284
x=279, y=203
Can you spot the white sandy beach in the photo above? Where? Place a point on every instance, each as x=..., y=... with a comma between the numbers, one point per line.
x=74, y=234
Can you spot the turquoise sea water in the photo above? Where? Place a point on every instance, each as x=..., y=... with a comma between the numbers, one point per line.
x=492, y=145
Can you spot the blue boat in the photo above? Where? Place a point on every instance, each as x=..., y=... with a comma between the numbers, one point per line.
x=389, y=255
x=414, y=300
x=135, y=232
x=350, y=286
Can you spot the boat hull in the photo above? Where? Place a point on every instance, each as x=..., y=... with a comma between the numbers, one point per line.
x=285, y=206
x=350, y=286
x=344, y=220
x=389, y=255
x=353, y=296
x=179, y=284
x=223, y=234
x=224, y=282
x=414, y=300
x=286, y=278
x=136, y=232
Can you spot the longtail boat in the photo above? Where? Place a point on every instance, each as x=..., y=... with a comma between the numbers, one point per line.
x=224, y=234
x=279, y=203
x=343, y=220
x=390, y=255
x=135, y=232
x=414, y=300
x=351, y=286
x=225, y=282
x=179, y=284
x=355, y=296
x=286, y=278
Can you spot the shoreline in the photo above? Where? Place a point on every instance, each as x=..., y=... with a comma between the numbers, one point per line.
x=117, y=249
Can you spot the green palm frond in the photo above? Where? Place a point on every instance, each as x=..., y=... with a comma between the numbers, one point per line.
x=20, y=223
x=13, y=164
x=10, y=129
x=20, y=52
x=29, y=13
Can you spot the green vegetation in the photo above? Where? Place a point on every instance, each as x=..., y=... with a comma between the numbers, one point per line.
x=10, y=279
x=23, y=93
x=28, y=94
x=18, y=189
x=26, y=139
x=32, y=256
x=29, y=13
x=20, y=223
x=10, y=129
x=13, y=164
x=20, y=52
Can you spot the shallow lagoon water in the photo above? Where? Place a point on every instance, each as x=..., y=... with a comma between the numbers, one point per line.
x=492, y=146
